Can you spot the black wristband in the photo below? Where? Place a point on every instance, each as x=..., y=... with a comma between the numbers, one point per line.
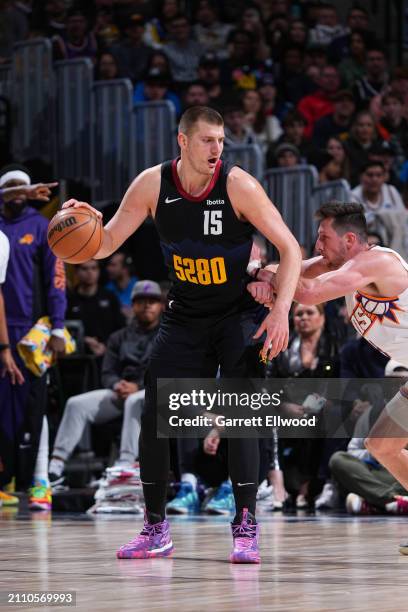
x=3, y=347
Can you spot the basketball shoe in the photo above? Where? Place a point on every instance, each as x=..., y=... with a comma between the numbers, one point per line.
x=8, y=500
x=153, y=541
x=185, y=501
x=40, y=497
x=245, y=537
x=357, y=505
x=223, y=501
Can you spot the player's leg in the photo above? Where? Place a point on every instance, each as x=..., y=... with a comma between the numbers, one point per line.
x=181, y=351
x=239, y=359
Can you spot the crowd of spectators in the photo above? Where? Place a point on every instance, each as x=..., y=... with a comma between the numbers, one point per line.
x=306, y=87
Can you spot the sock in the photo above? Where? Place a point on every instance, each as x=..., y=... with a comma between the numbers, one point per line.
x=191, y=479
x=245, y=497
x=56, y=466
x=41, y=471
x=155, y=496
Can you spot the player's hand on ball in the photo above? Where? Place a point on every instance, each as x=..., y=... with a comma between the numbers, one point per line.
x=261, y=292
x=40, y=191
x=72, y=203
x=276, y=327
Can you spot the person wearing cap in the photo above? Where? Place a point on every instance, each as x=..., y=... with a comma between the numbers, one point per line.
x=34, y=287
x=155, y=87
x=287, y=155
x=209, y=73
x=293, y=132
x=123, y=369
x=339, y=122
x=131, y=53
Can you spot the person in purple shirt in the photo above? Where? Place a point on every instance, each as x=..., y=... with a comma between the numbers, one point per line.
x=34, y=287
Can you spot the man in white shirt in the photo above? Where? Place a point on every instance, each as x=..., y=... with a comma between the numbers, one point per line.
x=374, y=193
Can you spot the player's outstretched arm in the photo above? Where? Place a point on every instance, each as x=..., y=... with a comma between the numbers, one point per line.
x=251, y=203
x=137, y=204
x=352, y=275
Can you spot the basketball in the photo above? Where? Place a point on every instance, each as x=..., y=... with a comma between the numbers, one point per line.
x=75, y=234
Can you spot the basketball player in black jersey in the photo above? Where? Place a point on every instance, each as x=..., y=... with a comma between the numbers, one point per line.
x=205, y=212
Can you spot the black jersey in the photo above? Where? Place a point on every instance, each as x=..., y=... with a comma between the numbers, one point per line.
x=205, y=246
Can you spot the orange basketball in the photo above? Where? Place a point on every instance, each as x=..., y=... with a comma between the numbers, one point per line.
x=75, y=234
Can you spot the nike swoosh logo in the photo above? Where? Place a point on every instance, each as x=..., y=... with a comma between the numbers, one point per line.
x=169, y=201
x=170, y=303
x=242, y=484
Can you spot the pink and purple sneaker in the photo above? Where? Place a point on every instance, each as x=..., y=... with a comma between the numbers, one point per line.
x=153, y=541
x=245, y=536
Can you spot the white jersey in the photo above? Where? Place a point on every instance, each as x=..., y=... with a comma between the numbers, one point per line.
x=383, y=321
x=4, y=256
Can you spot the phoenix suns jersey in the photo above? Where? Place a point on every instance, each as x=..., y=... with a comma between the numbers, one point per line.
x=205, y=246
x=383, y=321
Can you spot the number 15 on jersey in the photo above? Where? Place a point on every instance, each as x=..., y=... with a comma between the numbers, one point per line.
x=212, y=222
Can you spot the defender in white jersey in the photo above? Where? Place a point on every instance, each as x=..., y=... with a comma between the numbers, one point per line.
x=374, y=281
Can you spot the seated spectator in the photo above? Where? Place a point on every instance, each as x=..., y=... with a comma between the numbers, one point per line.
x=298, y=34
x=357, y=20
x=159, y=60
x=338, y=167
x=293, y=83
x=369, y=487
x=155, y=87
x=209, y=31
x=97, y=308
x=131, y=53
x=157, y=31
x=363, y=137
x=209, y=73
x=77, y=40
x=327, y=27
x=49, y=17
x=276, y=32
x=316, y=105
x=251, y=21
x=241, y=69
x=268, y=90
x=312, y=352
x=183, y=52
x=123, y=370
x=105, y=29
x=121, y=280
x=106, y=67
x=339, y=122
x=195, y=94
x=255, y=117
x=386, y=153
x=287, y=155
x=374, y=193
x=293, y=133
x=237, y=132
x=375, y=80
x=393, y=124
x=352, y=67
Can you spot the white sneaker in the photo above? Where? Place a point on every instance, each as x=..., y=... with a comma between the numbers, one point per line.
x=354, y=503
x=328, y=498
x=264, y=496
x=301, y=502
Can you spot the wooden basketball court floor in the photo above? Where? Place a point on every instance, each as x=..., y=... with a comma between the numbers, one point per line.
x=310, y=563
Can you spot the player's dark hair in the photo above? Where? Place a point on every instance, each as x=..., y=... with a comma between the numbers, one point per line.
x=347, y=217
x=199, y=113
